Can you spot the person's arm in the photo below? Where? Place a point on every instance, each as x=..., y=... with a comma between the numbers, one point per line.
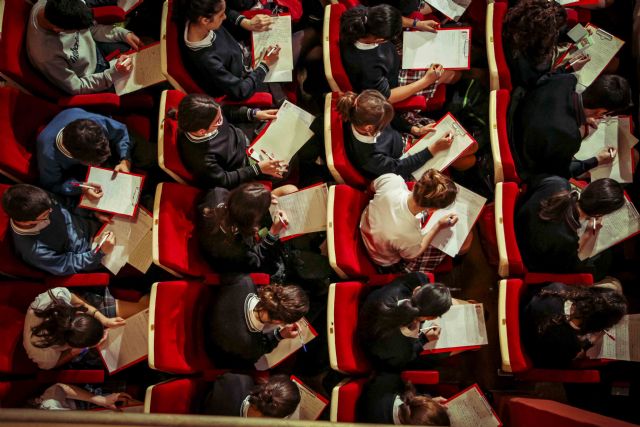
x=217, y=176
x=94, y=312
x=77, y=393
x=223, y=80
x=68, y=355
x=51, y=177
x=109, y=33
x=380, y=163
x=62, y=264
x=57, y=70
x=579, y=167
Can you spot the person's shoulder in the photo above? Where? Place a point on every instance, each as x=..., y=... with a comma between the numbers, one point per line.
x=389, y=182
x=235, y=380
x=45, y=299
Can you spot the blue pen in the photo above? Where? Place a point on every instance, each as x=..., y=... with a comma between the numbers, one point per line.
x=304, y=347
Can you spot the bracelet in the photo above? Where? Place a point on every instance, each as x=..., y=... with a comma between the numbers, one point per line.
x=415, y=22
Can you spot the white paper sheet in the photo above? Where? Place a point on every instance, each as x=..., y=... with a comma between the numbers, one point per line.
x=452, y=9
x=471, y=409
x=128, y=5
x=279, y=34
x=462, y=326
x=146, y=71
x=286, y=347
x=121, y=194
x=311, y=404
x=603, y=48
x=447, y=47
x=306, y=210
x=461, y=141
x=622, y=342
x=127, y=344
x=133, y=242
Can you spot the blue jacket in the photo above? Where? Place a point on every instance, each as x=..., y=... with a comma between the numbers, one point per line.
x=56, y=169
x=64, y=247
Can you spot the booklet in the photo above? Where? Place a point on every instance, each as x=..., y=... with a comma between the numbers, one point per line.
x=121, y=191
x=146, y=71
x=287, y=347
x=283, y=137
x=470, y=408
x=311, y=403
x=622, y=342
x=452, y=9
x=461, y=141
x=577, y=2
x=134, y=241
x=306, y=210
x=279, y=34
x=449, y=47
x=462, y=328
x=467, y=206
x=128, y=344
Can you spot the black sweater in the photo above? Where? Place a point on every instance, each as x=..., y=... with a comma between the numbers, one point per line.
x=227, y=336
x=406, y=7
x=372, y=68
x=392, y=350
x=233, y=253
x=219, y=69
x=375, y=404
x=373, y=160
x=226, y=397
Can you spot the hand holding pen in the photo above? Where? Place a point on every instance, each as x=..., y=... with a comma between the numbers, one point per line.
x=92, y=190
x=106, y=242
x=272, y=167
x=270, y=55
x=280, y=222
x=124, y=64
x=432, y=332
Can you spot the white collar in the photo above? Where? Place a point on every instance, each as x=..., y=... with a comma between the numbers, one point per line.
x=23, y=231
x=205, y=42
x=61, y=146
x=244, y=407
x=568, y=308
x=253, y=324
x=365, y=46
x=367, y=139
x=396, y=410
x=197, y=139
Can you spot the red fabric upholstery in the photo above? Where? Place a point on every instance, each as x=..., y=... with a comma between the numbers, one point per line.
x=347, y=400
x=569, y=279
x=18, y=137
x=109, y=14
x=502, y=107
x=499, y=11
x=190, y=391
x=178, y=343
x=526, y=412
x=177, y=245
x=14, y=394
x=73, y=376
x=172, y=159
x=421, y=377
x=577, y=16
x=138, y=124
x=349, y=3
x=510, y=194
x=258, y=279
x=341, y=161
x=346, y=304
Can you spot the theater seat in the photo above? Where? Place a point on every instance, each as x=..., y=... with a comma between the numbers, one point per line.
x=163, y=398
x=504, y=166
x=499, y=74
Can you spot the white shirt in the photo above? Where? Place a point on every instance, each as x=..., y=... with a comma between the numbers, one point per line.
x=205, y=42
x=396, y=410
x=54, y=398
x=45, y=358
x=365, y=46
x=389, y=230
x=253, y=324
x=367, y=139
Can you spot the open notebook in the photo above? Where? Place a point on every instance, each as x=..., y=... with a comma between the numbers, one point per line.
x=121, y=192
x=461, y=141
x=287, y=347
x=470, y=408
x=452, y=9
x=128, y=344
x=311, y=403
x=279, y=34
x=463, y=328
x=306, y=210
x=449, y=47
x=283, y=137
x=622, y=342
x=146, y=71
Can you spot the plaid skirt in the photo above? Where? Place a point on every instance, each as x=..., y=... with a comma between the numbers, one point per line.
x=406, y=77
x=425, y=263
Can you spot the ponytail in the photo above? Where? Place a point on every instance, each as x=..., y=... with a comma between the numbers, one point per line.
x=434, y=190
x=369, y=108
x=562, y=206
x=283, y=303
x=277, y=398
x=383, y=21
x=420, y=410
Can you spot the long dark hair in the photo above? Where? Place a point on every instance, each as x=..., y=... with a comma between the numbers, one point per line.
x=195, y=112
x=600, y=197
x=277, y=398
x=421, y=410
x=597, y=308
x=286, y=303
x=64, y=324
x=191, y=10
x=381, y=21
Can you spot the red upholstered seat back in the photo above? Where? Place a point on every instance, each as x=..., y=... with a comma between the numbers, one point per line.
x=502, y=108
x=527, y=412
x=519, y=360
x=172, y=159
x=178, y=247
x=178, y=343
x=351, y=255
x=347, y=401
x=346, y=303
x=14, y=394
x=499, y=10
x=341, y=161
x=14, y=63
x=337, y=69
x=510, y=194
x=177, y=396
x=349, y=3
x=19, y=135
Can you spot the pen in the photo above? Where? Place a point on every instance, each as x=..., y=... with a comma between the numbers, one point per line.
x=594, y=225
x=609, y=335
x=114, y=174
x=104, y=239
x=283, y=220
x=269, y=156
x=126, y=61
x=273, y=49
x=611, y=152
x=304, y=347
x=82, y=185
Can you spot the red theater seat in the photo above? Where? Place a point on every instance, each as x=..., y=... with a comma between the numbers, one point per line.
x=503, y=162
x=175, y=396
x=500, y=76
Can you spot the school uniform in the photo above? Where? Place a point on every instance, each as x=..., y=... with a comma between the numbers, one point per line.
x=380, y=400
x=233, y=337
x=396, y=349
x=229, y=396
x=371, y=66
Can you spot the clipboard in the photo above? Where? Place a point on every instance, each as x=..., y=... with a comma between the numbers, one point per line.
x=310, y=394
x=577, y=3
x=263, y=364
x=132, y=210
x=274, y=208
x=145, y=74
x=438, y=5
x=406, y=63
x=135, y=318
x=475, y=389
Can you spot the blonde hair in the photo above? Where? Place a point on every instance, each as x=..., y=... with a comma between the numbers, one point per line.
x=368, y=108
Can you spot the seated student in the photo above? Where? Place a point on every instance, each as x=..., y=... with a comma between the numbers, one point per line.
x=386, y=399
x=48, y=236
x=68, y=397
x=238, y=395
x=373, y=145
x=392, y=222
x=407, y=8
x=390, y=318
x=241, y=314
x=60, y=326
x=65, y=44
x=74, y=138
x=552, y=119
x=549, y=217
x=371, y=60
x=560, y=322
x=228, y=222
x=218, y=62
x=215, y=150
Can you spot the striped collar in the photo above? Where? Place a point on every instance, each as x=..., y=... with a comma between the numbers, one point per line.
x=61, y=146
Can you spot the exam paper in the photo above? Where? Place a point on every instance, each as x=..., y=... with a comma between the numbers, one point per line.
x=121, y=194
x=133, y=242
x=602, y=49
x=311, y=403
x=146, y=71
x=452, y=9
x=461, y=326
x=622, y=342
x=286, y=347
x=447, y=47
x=306, y=210
x=279, y=34
x=127, y=344
x=471, y=409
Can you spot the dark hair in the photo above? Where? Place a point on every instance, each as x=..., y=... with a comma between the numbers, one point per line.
x=24, y=202
x=64, y=324
x=196, y=111
x=434, y=190
x=284, y=303
x=608, y=91
x=431, y=299
x=368, y=108
x=600, y=197
x=277, y=398
x=420, y=410
x=532, y=28
x=68, y=14
x=86, y=141
x=192, y=10
x=598, y=308
x=381, y=21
